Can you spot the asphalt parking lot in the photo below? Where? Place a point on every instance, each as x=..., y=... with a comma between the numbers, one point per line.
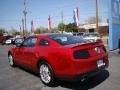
x=20, y=79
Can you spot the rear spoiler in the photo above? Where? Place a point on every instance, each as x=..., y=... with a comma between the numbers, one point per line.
x=88, y=45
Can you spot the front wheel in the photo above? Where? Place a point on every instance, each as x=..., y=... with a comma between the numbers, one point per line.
x=11, y=61
x=46, y=74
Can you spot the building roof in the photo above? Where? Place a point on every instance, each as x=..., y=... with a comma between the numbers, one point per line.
x=92, y=26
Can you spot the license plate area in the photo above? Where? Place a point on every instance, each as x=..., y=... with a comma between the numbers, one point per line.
x=100, y=63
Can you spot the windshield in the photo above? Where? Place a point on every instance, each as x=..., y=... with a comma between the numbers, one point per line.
x=64, y=39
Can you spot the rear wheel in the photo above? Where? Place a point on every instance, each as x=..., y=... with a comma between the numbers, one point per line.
x=119, y=52
x=46, y=74
x=11, y=60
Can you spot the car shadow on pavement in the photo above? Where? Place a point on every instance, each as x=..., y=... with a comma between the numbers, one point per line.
x=85, y=85
x=28, y=71
x=88, y=83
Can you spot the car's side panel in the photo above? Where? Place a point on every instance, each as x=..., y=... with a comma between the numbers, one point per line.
x=17, y=53
x=58, y=57
x=29, y=54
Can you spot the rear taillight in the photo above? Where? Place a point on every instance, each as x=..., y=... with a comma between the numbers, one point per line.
x=81, y=54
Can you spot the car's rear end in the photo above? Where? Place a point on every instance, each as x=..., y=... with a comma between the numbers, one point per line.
x=88, y=59
x=79, y=58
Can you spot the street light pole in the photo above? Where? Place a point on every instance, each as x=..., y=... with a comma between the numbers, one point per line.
x=62, y=21
x=97, y=27
x=23, y=27
x=62, y=16
x=25, y=13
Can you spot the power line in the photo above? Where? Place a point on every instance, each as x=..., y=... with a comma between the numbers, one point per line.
x=58, y=16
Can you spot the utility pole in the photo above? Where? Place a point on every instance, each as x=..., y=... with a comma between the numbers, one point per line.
x=23, y=27
x=62, y=21
x=20, y=29
x=62, y=17
x=97, y=27
x=25, y=13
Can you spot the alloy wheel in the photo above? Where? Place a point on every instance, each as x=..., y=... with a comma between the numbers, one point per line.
x=10, y=60
x=45, y=73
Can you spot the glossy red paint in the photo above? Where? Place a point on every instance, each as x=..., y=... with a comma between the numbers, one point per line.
x=60, y=57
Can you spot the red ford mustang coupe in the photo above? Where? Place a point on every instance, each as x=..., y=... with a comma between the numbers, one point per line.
x=59, y=56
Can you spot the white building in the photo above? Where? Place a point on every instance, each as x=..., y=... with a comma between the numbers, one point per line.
x=92, y=27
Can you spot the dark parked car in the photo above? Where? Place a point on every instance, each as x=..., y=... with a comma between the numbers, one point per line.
x=4, y=38
x=10, y=41
x=63, y=56
x=80, y=34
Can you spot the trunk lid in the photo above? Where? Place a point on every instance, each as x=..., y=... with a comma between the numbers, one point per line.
x=86, y=50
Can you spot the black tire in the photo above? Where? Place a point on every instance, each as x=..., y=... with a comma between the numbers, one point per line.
x=47, y=74
x=11, y=60
x=119, y=52
x=119, y=46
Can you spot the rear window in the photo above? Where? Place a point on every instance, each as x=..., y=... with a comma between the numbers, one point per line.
x=64, y=39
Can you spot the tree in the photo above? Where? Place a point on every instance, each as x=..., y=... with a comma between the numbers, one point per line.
x=17, y=33
x=71, y=27
x=54, y=30
x=14, y=32
x=92, y=20
x=41, y=30
x=61, y=26
x=2, y=31
x=37, y=31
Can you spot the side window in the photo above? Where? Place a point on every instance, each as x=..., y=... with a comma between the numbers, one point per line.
x=29, y=42
x=26, y=42
x=43, y=42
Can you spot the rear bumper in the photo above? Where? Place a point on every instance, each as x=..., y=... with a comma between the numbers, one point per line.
x=87, y=74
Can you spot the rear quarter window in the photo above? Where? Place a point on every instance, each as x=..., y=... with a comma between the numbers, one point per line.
x=44, y=42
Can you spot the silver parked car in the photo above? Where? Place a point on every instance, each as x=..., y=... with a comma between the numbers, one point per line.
x=93, y=37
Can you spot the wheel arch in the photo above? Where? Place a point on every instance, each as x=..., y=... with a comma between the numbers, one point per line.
x=53, y=80
x=9, y=52
x=43, y=59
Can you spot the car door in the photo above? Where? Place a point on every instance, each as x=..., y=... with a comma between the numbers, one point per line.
x=28, y=51
x=18, y=51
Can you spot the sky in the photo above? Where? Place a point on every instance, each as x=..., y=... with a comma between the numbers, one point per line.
x=11, y=12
